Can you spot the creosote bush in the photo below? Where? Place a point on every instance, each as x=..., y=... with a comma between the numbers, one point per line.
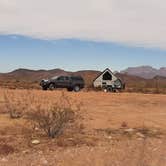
x=41, y=112
x=15, y=106
x=55, y=118
x=52, y=121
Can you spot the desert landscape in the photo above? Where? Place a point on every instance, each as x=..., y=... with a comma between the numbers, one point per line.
x=82, y=83
x=108, y=129
x=136, y=79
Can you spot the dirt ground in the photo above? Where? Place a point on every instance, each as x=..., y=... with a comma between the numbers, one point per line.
x=117, y=129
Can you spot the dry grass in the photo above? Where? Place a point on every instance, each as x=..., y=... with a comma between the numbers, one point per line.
x=52, y=118
x=6, y=149
x=132, y=133
x=78, y=143
x=146, y=86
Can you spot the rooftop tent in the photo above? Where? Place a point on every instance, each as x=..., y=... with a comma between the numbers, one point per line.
x=107, y=76
x=107, y=80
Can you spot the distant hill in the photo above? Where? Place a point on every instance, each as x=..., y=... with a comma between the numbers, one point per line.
x=32, y=75
x=143, y=79
x=26, y=75
x=146, y=72
x=141, y=83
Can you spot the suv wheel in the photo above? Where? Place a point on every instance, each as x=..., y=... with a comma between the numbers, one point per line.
x=77, y=88
x=51, y=87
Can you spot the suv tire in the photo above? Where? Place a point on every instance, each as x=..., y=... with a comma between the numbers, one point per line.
x=51, y=87
x=76, y=88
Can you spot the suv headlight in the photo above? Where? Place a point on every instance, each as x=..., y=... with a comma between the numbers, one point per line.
x=43, y=82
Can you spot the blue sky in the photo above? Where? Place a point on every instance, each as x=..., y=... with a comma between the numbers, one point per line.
x=82, y=34
x=72, y=54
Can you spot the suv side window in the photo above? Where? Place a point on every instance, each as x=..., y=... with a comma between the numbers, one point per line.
x=66, y=78
x=60, y=78
x=76, y=79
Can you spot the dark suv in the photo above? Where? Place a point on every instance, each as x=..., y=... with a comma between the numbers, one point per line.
x=75, y=83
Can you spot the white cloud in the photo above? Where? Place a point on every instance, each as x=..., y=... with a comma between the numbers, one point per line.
x=133, y=22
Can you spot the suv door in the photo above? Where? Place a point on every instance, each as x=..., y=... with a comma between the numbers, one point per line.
x=67, y=82
x=60, y=82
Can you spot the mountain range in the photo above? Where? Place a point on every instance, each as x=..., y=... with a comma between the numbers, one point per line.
x=146, y=72
x=26, y=75
x=134, y=77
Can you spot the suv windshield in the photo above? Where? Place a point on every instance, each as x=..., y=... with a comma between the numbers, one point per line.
x=55, y=77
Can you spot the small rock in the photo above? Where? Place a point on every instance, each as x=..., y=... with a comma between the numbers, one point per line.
x=35, y=142
x=40, y=152
x=109, y=137
x=140, y=139
x=36, y=129
x=140, y=135
x=44, y=161
x=155, y=149
x=91, y=149
x=70, y=139
x=129, y=130
x=4, y=159
x=25, y=151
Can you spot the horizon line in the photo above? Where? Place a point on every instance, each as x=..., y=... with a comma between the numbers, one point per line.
x=68, y=70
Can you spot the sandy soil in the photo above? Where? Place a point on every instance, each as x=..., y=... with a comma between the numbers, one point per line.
x=111, y=125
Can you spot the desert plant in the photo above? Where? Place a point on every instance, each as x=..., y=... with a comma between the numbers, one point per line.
x=12, y=107
x=52, y=118
x=16, y=105
x=51, y=121
x=55, y=118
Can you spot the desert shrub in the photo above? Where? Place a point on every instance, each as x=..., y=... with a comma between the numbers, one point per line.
x=51, y=121
x=13, y=106
x=41, y=112
x=54, y=119
x=6, y=149
x=17, y=105
x=124, y=125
